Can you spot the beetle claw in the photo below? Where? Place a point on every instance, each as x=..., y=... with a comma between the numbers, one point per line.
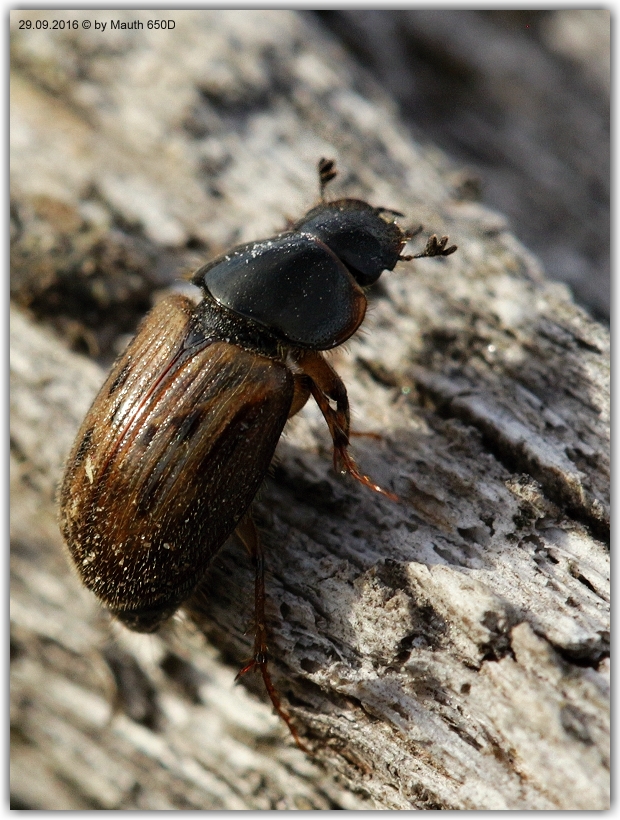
x=248, y=667
x=347, y=464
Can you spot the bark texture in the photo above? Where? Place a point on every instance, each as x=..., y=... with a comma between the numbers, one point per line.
x=449, y=651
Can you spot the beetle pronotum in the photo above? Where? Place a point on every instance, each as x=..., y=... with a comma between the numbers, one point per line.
x=176, y=445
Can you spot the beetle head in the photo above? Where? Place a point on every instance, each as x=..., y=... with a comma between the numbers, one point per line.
x=364, y=238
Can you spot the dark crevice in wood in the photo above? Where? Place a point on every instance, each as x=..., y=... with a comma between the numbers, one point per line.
x=585, y=656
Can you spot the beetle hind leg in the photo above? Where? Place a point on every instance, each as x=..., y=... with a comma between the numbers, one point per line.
x=326, y=386
x=246, y=531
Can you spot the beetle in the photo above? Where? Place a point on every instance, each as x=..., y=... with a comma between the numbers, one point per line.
x=180, y=437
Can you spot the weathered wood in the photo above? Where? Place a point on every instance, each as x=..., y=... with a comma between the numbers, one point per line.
x=522, y=98
x=449, y=651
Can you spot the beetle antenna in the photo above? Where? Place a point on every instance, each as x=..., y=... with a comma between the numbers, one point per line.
x=436, y=247
x=327, y=171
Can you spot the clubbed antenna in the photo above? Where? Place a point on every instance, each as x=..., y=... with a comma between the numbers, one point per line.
x=327, y=171
x=436, y=247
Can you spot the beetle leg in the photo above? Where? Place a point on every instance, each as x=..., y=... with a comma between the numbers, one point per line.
x=246, y=531
x=326, y=384
x=301, y=394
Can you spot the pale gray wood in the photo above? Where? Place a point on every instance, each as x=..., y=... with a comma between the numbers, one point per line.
x=522, y=98
x=449, y=651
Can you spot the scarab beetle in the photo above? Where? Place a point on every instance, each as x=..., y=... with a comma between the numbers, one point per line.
x=182, y=433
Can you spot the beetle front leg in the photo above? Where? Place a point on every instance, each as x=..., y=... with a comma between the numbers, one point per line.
x=247, y=533
x=301, y=393
x=326, y=385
